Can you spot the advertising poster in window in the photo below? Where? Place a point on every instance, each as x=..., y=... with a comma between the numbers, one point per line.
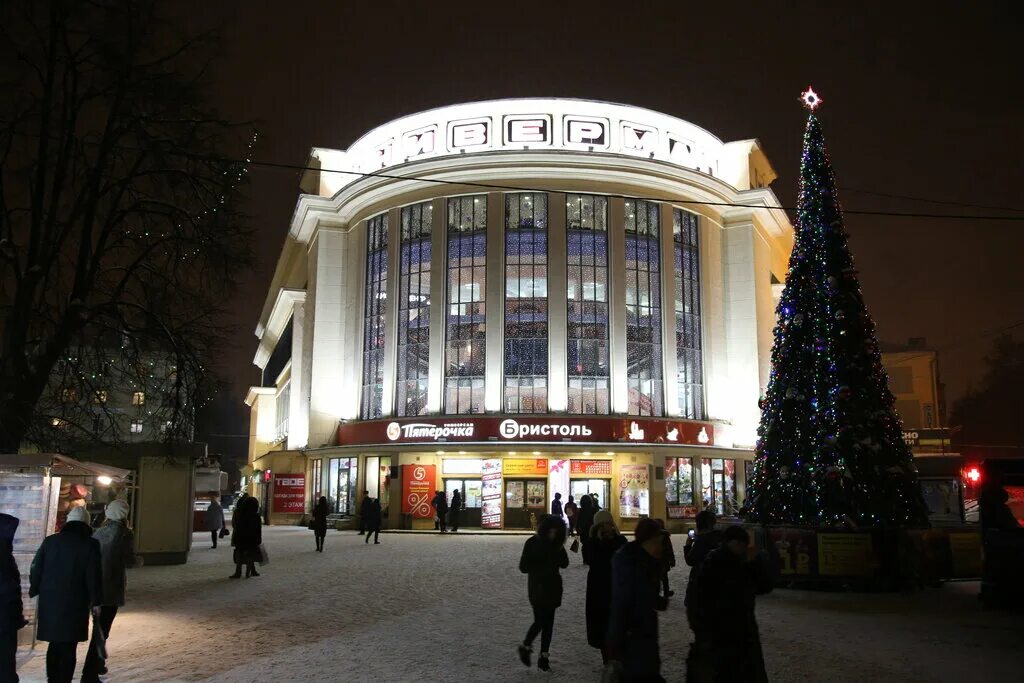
x=418, y=490
x=634, y=490
x=535, y=499
x=558, y=481
x=290, y=493
x=491, y=494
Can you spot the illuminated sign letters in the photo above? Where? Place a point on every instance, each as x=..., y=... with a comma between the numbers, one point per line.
x=580, y=131
x=527, y=129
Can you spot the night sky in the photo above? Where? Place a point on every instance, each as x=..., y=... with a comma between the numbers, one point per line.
x=921, y=99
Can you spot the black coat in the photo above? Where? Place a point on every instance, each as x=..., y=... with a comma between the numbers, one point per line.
x=319, y=522
x=541, y=561
x=456, y=506
x=248, y=532
x=440, y=503
x=598, y=554
x=67, y=576
x=556, y=507
x=585, y=520
x=633, y=621
x=694, y=553
x=12, y=615
x=373, y=515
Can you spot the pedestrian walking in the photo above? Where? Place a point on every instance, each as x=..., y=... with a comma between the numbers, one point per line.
x=247, y=537
x=117, y=554
x=12, y=611
x=586, y=519
x=605, y=542
x=214, y=519
x=373, y=521
x=542, y=560
x=556, y=506
x=632, y=638
x=67, y=576
x=698, y=545
x=319, y=522
x=668, y=561
x=456, y=510
x=571, y=510
x=364, y=511
x=727, y=582
x=440, y=503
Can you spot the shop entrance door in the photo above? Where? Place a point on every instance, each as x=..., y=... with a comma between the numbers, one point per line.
x=524, y=497
x=596, y=487
x=471, y=491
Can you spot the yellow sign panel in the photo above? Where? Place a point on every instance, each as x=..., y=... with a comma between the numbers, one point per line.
x=966, y=551
x=524, y=467
x=845, y=555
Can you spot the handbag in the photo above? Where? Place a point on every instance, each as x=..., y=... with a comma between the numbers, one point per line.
x=223, y=532
x=264, y=557
x=575, y=545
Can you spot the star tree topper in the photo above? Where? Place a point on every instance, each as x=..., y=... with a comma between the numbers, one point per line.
x=811, y=99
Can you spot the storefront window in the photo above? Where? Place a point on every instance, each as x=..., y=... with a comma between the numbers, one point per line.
x=526, y=303
x=679, y=481
x=718, y=485
x=374, y=316
x=342, y=485
x=587, y=310
x=643, y=309
x=414, y=310
x=689, y=377
x=315, y=479
x=465, y=330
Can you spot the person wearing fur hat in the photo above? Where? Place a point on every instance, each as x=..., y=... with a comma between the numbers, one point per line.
x=12, y=615
x=605, y=541
x=67, y=576
x=117, y=550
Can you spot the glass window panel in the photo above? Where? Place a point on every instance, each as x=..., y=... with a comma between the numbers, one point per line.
x=643, y=309
x=374, y=317
x=689, y=377
x=526, y=293
x=587, y=309
x=414, y=310
x=465, y=329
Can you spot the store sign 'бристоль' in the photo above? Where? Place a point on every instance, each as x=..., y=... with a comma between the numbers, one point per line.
x=571, y=429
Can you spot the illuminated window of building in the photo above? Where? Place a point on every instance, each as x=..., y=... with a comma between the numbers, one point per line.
x=679, y=483
x=465, y=327
x=689, y=364
x=99, y=396
x=282, y=410
x=136, y=427
x=374, y=316
x=414, y=310
x=718, y=485
x=526, y=303
x=643, y=309
x=68, y=395
x=587, y=310
x=138, y=398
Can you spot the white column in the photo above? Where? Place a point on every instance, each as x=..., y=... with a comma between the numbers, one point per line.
x=668, y=311
x=495, y=310
x=557, y=305
x=438, y=305
x=617, y=304
x=391, y=314
x=298, y=398
x=325, y=342
x=741, y=331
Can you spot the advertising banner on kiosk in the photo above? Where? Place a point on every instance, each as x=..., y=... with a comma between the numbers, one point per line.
x=491, y=496
x=418, y=490
x=289, y=493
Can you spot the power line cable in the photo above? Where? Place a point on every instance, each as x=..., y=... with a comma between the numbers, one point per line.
x=930, y=200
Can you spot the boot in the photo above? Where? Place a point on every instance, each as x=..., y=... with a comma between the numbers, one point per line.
x=524, y=654
x=542, y=662
x=238, y=572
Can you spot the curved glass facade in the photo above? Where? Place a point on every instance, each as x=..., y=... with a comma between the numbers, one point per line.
x=606, y=283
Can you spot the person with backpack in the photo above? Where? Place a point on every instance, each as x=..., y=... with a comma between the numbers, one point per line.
x=542, y=560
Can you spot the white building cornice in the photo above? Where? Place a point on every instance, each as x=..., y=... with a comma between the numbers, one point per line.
x=280, y=314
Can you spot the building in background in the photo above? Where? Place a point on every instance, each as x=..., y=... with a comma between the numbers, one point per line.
x=914, y=380
x=516, y=298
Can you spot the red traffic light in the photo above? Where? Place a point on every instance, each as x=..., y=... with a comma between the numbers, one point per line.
x=972, y=474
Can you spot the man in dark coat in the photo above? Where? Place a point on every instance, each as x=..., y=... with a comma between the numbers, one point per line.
x=214, y=519
x=373, y=521
x=68, y=578
x=247, y=537
x=605, y=541
x=117, y=553
x=542, y=559
x=724, y=593
x=318, y=523
x=364, y=511
x=556, y=506
x=12, y=614
x=632, y=639
x=697, y=547
x=571, y=510
x=440, y=503
x=585, y=520
x=456, y=510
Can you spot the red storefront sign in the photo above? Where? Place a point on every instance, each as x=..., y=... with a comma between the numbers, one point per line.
x=528, y=429
x=289, y=493
x=418, y=490
x=594, y=468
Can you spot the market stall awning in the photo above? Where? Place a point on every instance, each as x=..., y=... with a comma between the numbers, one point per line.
x=65, y=466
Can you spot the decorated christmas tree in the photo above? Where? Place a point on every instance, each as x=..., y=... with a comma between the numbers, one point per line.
x=830, y=447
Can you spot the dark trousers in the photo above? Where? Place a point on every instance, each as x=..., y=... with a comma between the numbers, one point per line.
x=664, y=584
x=375, y=530
x=213, y=537
x=442, y=524
x=60, y=662
x=94, y=664
x=544, y=624
x=319, y=540
x=9, y=657
x=455, y=520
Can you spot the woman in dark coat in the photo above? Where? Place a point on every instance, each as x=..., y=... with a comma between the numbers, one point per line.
x=319, y=522
x=456, y=510
x=605, y=541
x=584, y=522
x=543, y=557
x=247, y=537
x=12, y=617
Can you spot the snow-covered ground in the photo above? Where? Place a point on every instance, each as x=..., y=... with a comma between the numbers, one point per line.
x=428, y=608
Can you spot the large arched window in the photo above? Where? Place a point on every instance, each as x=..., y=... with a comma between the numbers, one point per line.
x=414, y=310
x=689, y=364
x=373, y=316
x=643, y=309
x=465, y=328
x=587, y=310
x=526, y=303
